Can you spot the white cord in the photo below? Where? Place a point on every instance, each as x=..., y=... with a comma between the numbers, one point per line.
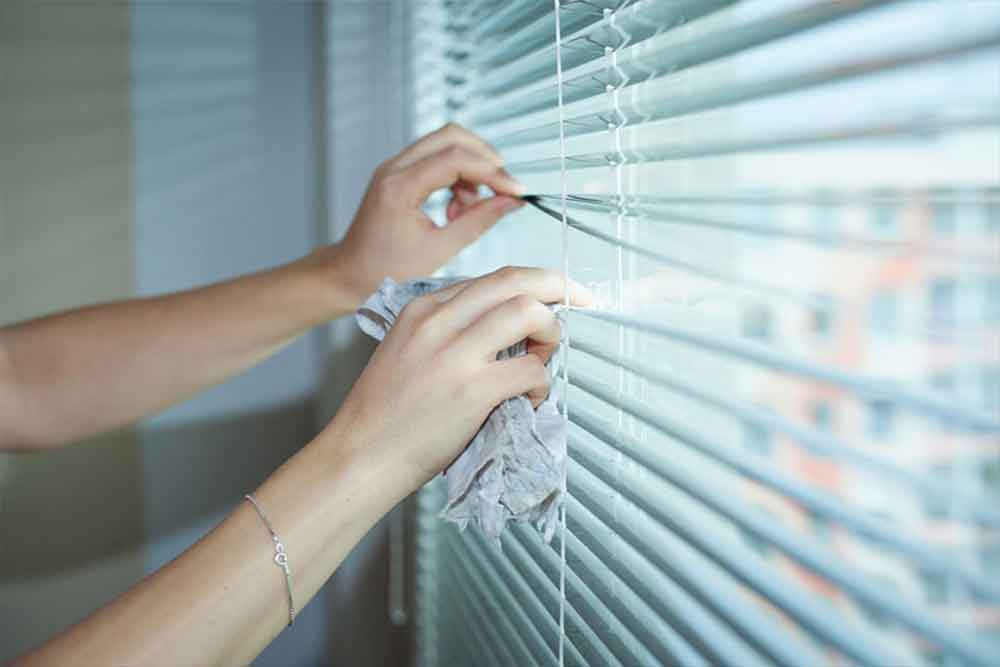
x=565, y=342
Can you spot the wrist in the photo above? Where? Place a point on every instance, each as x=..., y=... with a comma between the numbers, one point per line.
x=357, y=454
x=329, y=279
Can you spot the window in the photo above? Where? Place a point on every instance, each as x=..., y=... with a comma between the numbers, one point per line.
x=943, y=303
x=719, y=154
x=991, y=296
x=944, y=218
x=880, y=419
x=993, y=218
x=884, y=213
x=826, y=215
x=757, y=323
x=756, y=438
x=822, y=415
x=823, y=316
x=883, y=314
x=991, y=390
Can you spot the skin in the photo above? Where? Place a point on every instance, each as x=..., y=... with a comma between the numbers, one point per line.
x=425, y=392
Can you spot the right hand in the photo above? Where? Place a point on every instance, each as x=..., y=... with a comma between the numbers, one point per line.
x=435, y=378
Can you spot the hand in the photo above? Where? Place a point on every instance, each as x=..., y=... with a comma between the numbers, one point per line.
x=435, y=378
x=392, y=237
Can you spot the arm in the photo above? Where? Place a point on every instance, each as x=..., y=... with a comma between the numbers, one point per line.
x=427, y=389
x=75, y=374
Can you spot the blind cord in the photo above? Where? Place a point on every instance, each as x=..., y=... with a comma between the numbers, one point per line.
x=565, y=335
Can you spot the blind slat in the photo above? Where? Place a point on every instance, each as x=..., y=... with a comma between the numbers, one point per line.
x=743, y=464
x=590, y=645
x=669, y=598
x=810, y=613
x=739, y=79
x=741, y=27
x=489, y=558
x=807, y=553
x=817, y=440
x=752, y=184
x=867, y=388
x=504, y=610
x=618, y=637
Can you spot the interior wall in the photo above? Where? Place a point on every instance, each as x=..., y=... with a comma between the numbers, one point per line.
x=367, y=123
x=70, y=520
x=225, y=102
x=203, y=168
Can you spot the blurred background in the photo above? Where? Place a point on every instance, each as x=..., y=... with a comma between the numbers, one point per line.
x=784, y=423
x=147, y=147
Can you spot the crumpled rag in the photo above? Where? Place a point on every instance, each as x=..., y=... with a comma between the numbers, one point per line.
x=515, y=467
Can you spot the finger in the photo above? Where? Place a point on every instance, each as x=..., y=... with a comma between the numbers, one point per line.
x=509, y=323
x=464, y=195
x=445, y=137
x=521, y=376
x=486, y=293
x=470, y=223
x=449, y=166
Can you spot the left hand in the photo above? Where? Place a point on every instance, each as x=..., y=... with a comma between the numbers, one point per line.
x=392, y=237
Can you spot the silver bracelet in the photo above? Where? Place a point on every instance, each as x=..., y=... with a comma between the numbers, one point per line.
x=280, y=556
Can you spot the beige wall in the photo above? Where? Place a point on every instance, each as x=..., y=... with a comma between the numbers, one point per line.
x=70, y=521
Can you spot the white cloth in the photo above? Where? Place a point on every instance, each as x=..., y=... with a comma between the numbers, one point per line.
x=515, y=467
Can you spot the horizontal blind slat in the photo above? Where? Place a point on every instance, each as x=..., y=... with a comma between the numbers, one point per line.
x=646, y=209
x=870, y=389
x=518, y=626
x=714, y=85
x=810, y=614
x=802, y=550
x=713, y=592
x=744, y=465
x=618, y=638
x=817, y=440
x=728, y=31
x=668, y=597
x=546, y=622
x=578, y=631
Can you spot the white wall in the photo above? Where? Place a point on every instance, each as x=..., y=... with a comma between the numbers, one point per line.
x=70, y=521
x=225, y=106
x=205, y=167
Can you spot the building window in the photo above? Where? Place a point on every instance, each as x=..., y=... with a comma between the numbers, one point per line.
x=943, y=382
x=935, y=588
x=991, y=295
x=880, y=414
x=993, y=218
x=991, y=390
x=822, y=315
x=883, y=312
x=990, y=559
x=883, y=212
x=944, y=218
x=990, y=473
x=826, y=216
x=822, y=415
x=943, y=303
x=758, y=323
x=756, y=438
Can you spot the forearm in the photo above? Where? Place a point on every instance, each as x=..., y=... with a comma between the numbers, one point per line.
x=224, y=599
x=75, y=374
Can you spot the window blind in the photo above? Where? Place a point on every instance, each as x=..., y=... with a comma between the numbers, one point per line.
x=784, y=417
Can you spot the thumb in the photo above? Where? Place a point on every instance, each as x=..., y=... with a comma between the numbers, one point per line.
x=478, y=218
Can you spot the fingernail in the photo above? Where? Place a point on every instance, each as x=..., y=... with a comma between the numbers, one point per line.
x=518, y=187
x=510, y=203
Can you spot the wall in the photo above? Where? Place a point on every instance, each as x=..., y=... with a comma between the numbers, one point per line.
x=366, y=121
x=65, y=240
x=225, y=106
x=206, y=167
